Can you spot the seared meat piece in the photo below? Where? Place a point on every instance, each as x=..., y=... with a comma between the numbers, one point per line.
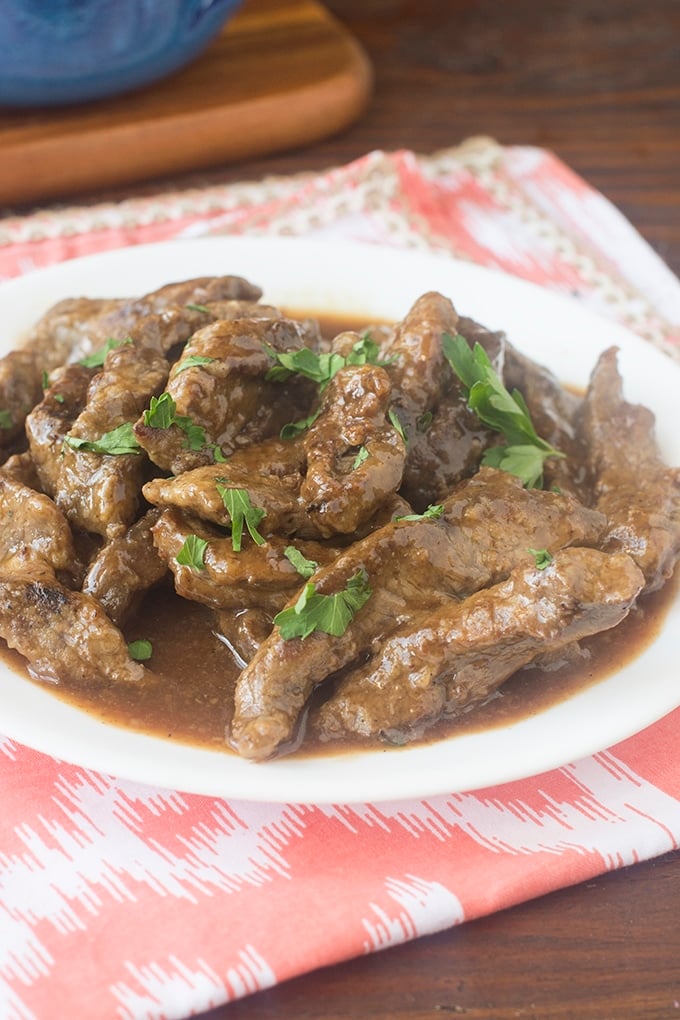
x=488, y=525
x=228, y=395
x=50, y=420
x=354, y=456
x=631, y=485
x=444, y=662
x=270, y=472
x=258, y=576
x=34, y=529
x=445, y=439
x=74, y=328
x=125, y=568
x=335, y=497
x=554, y=412
x=64, y=635
x=20, y=468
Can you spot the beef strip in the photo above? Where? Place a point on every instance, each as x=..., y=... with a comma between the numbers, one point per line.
x=125, y=569
x=445, y=439
x=450, y=660
x=229, y=396
x=307, y=485
x=354, y=456
x=488, y=525
x=50, y=420
x=75, y=327
x=631, y=485
x=270, y=472
x=35, y=529
x=258, y=576
x=64, y=635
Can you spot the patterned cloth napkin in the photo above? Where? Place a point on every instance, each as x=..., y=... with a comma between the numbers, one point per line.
x=122, y=900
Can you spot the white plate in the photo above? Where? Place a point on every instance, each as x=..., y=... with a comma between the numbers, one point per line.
x=374, y=282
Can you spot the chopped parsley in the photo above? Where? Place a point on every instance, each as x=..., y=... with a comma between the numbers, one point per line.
x=361, y=456
x=162, y=413
x=330, y=614
x=294, y=428
x=433, y=513
x=98, y=357
x=197, y=308
x=303, y=566
x=524, y=452
x=140, y=650
x=6, y=420
x=321, y=368
x=192, y=361
x=192, y=553
x=394, y=419
x=543, y=558
x=241, y=511
x=118, y=441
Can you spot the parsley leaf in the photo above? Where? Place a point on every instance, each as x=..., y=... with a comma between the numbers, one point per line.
x=543, y=558
x=303, y=566
x=118, y=441
x=192, y=361
x=322, y=367
x=140, y=650
x=394, y=419
x=192, y=553
x=524, y=452
x=198, y=308
x=6, y=420
x=330, y=614
x=361, y=456
x=294, y=428
x=162, y=413
x=241, y=511
x=98, y=357
x=433, y=512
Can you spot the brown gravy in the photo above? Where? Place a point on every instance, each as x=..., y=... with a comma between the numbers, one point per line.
x=192, y=673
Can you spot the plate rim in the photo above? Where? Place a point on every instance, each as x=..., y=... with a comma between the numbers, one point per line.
x=195, y=770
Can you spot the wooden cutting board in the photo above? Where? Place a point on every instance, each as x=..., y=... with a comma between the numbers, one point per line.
x=283, y=73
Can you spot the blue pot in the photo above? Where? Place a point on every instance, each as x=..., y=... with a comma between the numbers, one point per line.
x=68, y=51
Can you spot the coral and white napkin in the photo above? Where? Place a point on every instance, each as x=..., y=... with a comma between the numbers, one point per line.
x=119, y=900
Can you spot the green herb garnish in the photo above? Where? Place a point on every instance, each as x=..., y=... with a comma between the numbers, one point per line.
x=198, y=308
x=524, y=452
x=294, y=428
x=543, y=558
x=6, y=420
x=361, y=456
x=162, y=413
x=192, y=553
x=330, y=614
x=321, y=368
x=117, y=442
x=140, y=650
x=98, y=357
x=433, y=513
x=394, y=419
x=192, y=361
x=241, y=511
x=303, y=566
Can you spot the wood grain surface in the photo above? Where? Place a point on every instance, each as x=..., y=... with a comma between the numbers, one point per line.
x=282, y=73
x=598, y=83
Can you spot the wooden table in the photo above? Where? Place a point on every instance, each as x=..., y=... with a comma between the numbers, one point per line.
x=599, y=83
